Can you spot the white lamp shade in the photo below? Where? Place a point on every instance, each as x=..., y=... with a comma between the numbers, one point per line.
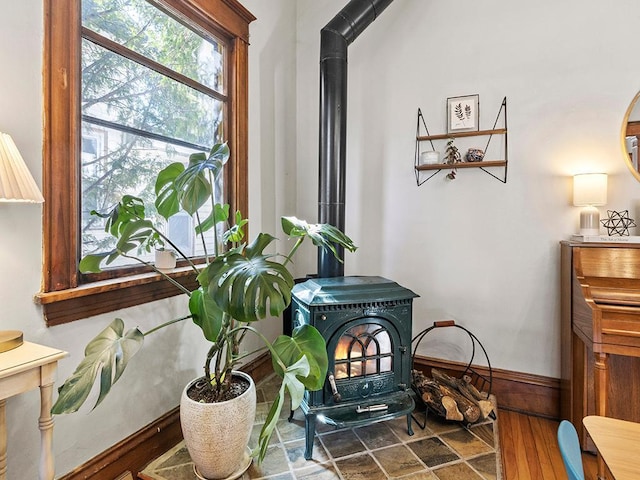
x=16, y=182
x=589, y=189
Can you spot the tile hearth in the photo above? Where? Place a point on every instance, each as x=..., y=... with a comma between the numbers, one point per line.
x=442, y=451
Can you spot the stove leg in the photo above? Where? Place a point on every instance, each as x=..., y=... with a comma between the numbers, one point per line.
x=409, y=429
x=309, y=434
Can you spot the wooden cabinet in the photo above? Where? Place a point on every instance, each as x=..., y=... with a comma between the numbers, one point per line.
x=600, y=332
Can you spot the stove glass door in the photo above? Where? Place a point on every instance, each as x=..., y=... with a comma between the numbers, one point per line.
x=364, y=358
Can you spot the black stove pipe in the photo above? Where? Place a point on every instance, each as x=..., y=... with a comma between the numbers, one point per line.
x=335, y=37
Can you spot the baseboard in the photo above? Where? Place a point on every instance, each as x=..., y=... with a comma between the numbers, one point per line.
x=526, y=393
x=520, y=392
x=134, y=452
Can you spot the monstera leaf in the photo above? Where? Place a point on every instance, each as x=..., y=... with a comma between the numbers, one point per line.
x=245, y=282
x=167, y=201
x=193, y=186
x=321, y=234
x=135, y=234
x=108, y=354
x=190, y=188
x=301, y=360
x=128, y=209
x=206, y=314
x=307, y=341
x=291, y=383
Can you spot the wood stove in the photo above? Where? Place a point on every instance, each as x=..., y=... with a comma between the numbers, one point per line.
x=366, y=322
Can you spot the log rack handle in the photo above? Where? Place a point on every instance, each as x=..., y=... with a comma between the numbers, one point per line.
x=444, y=323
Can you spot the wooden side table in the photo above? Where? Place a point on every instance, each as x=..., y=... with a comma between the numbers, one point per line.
x=21, y=369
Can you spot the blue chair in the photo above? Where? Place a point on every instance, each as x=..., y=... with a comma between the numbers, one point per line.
x=570, y=450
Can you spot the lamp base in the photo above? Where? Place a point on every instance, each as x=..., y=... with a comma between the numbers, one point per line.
x=589, y=221
x=10, y=339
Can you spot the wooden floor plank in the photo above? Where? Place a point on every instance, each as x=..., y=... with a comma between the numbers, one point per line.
x=535, y=454
x=508, y=454
x=530, y=449
x=520, y=426
x=545, y=437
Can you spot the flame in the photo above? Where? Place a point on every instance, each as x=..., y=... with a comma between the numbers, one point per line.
x=356, y=347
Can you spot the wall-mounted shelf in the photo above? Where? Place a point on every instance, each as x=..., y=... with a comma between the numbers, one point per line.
x=447, y=136
x=436, y=168
x=445, y=166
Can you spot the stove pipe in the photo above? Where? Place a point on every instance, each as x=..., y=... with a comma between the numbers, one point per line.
x=335, y=37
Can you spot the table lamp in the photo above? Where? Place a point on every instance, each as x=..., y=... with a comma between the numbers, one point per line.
x=589, y=191
x=16, y=185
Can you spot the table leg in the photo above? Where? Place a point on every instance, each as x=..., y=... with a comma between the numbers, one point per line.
x=601, y=374
x=45, y=423
x=3, y=440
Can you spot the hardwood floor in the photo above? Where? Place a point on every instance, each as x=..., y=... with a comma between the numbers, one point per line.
x=530, y=449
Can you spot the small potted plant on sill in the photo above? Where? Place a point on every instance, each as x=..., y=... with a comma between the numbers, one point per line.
x=239, y=285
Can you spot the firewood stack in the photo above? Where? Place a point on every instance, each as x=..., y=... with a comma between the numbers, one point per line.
x=452, y=398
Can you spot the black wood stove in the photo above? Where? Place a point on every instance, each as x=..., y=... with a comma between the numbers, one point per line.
x=366, y=322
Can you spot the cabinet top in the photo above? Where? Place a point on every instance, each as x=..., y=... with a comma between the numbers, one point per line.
x=572, y=243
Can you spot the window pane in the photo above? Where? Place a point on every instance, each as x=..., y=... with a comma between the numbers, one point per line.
x=143, y=28
x=118, y=90
x=116, y=163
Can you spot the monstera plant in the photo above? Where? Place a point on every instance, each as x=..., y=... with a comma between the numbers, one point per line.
x=239, y=285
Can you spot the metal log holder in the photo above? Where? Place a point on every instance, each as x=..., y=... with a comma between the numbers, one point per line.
x=480, y=380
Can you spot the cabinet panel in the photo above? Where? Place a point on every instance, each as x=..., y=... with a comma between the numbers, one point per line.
x=593, y=326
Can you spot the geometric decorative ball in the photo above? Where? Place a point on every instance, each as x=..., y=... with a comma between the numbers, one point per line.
x=618, y=223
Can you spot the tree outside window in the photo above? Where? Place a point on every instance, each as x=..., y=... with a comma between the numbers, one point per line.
x=130, y=87
x=138, y=115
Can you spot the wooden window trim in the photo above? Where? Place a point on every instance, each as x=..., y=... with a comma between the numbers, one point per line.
x=63, y=297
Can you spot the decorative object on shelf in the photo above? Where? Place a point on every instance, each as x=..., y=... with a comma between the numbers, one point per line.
x=424, y=172
x=451, y=157
x=618, y=223
x=429, y=157
x=463, y=113
x=16, y=185
x=474, y=155
x=589, y=191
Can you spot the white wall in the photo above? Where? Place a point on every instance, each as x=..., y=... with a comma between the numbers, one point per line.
x=481, y=252
x=476, y=250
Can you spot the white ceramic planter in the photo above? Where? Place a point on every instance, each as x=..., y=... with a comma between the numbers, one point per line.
x=165, y=259
x=217, y=434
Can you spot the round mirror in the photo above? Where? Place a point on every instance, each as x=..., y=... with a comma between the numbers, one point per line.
x=631, y=136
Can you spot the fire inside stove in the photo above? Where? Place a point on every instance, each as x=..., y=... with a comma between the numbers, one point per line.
x=363, y=350
x=366, y=322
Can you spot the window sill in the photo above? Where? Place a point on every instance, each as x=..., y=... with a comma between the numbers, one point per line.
x=65, y=306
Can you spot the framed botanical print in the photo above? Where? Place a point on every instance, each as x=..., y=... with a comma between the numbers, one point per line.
x=463, y=113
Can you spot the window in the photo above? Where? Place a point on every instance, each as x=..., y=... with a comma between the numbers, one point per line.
x=131, y=86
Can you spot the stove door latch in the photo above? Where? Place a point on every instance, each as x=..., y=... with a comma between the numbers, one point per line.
x=334, y=389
